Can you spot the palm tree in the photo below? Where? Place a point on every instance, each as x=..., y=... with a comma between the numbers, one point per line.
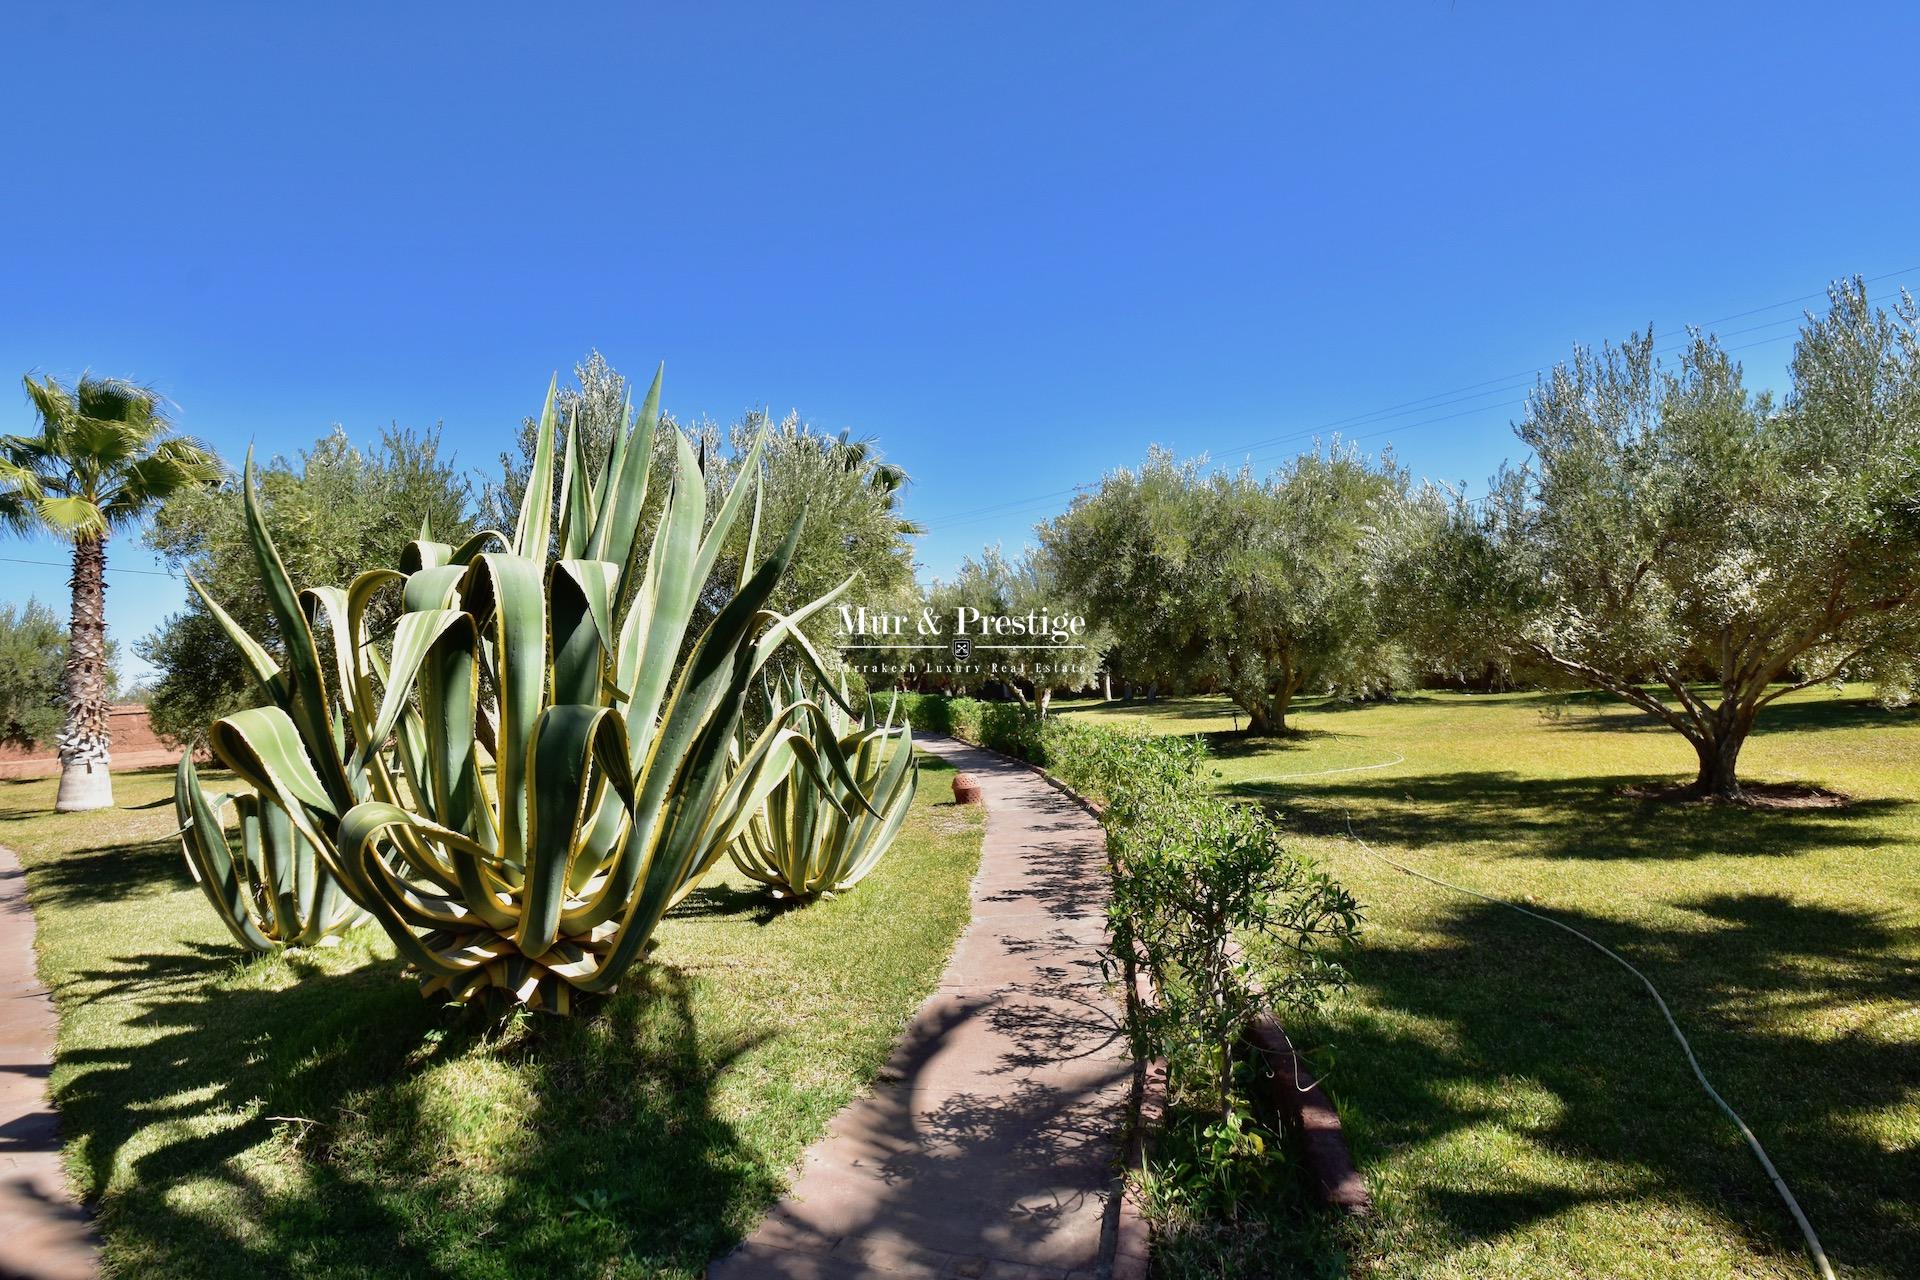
x=104, y=457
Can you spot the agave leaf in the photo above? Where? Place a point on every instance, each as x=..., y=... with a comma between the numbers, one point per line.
x=822, y=830
x=581, y=601
x=210, y=857
x=566, y=790
x=507, y=592
x=260, y=664
x=533, y=533
x=651, y=636
x=576, y=497
x=308, y=705
x=413, y=636
x=621, y=492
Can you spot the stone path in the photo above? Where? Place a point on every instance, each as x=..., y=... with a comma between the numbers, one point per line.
x=989, y=1146
x=44, y=1234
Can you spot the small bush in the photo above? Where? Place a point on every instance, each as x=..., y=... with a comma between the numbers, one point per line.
x=33, y=658
x=1012, y=729
x=1227, y=922
x=938, y=713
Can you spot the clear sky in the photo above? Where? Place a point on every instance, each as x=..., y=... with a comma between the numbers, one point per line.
x=1015, y=243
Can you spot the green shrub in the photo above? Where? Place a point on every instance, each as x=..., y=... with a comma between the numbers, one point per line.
x=1115, y=767
x=1227, y=922
x=938, y=713
x=1012, y=729
x=33, y=659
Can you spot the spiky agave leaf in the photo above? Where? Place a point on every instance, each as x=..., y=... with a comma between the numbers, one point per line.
x=821, y=832
x=272, y=891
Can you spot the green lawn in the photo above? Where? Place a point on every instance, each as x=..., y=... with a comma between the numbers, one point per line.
x=1514, y=1098
x=312, y=1115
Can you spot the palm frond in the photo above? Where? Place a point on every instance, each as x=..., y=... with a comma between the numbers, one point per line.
x=176, y=465
x=71, y=517
x=104, y=457
x=136, y=408
x=52, y=403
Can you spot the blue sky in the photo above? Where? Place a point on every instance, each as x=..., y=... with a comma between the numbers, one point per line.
x=1016, y=243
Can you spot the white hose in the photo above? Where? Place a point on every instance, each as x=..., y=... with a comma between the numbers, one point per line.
x=1760, y=1153
x=1321, y=773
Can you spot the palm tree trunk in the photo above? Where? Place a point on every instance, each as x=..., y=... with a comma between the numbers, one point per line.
x=84, y=780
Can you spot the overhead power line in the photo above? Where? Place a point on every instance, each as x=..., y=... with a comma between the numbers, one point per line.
x=57, y=564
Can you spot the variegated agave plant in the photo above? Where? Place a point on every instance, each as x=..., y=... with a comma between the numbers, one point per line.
x=520, y=773
x=821, y=833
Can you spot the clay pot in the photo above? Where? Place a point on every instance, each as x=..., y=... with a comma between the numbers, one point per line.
x=965, y=789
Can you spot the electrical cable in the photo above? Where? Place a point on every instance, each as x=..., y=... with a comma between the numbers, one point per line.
x=56, y=564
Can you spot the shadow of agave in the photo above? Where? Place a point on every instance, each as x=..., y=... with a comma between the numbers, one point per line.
x=342, y=1125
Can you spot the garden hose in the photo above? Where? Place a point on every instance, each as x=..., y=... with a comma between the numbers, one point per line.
x=1818, y=1254
x=1352, y=768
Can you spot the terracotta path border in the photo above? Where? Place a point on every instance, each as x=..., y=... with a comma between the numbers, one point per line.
x=44, y=1233
x=990, y=1145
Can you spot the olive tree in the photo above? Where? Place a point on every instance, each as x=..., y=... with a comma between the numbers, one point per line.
x=1261, y=586
x=33, y=659
x=851, y=497
x=1043, y=651
x=852, y=494
x=599, y=403
x=1695, y=548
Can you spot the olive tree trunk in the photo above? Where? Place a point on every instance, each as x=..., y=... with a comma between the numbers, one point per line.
x=83, y=743
x=1267, y=711
x=1718, y=747
x=1267, y=707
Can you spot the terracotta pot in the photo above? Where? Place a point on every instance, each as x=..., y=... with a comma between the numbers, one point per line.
x=965, y=789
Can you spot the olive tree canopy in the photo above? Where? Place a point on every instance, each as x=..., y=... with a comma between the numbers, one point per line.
x=1261, y=586
x=1046, y=654
x=1696, y=549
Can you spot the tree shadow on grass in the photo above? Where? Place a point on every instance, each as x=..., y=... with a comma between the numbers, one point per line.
x=344, y=1126
x=110, y=873
x=1230, y=744
x=1581, y=818
x=1523, y=1032
x=1784, y=717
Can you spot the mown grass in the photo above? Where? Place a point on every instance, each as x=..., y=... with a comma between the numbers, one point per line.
x=311, y=1115
x=1514, y=1099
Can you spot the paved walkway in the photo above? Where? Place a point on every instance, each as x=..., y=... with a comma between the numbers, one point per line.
x=989, y=1145
x=44, y=1234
